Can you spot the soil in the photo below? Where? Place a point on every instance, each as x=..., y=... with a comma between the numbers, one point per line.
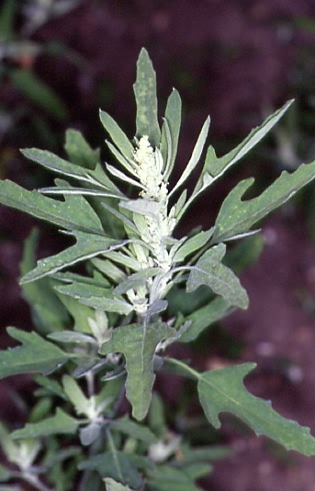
x=234, y=60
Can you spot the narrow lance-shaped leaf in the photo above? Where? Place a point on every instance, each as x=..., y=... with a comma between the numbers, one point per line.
x=173, y=116
x=237, y=216
x=86, y=247
x=138, y=344
x=59, y=424
x=146, y=100
x=196, y=154
x=118, y=137
x=210, y=271
x=35, y=355
x=223, y=391
x=61, y=213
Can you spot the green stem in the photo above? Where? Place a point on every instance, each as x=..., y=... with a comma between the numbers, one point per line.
x=184, y=368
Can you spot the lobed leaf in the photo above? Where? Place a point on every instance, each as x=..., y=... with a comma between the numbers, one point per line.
x=66, y=214
x=210, y=271
x=223, y=391
x=237, y=216
x=138, y=344
x=35, y=355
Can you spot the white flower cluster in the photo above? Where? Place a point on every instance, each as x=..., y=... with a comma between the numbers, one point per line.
x=149, y=167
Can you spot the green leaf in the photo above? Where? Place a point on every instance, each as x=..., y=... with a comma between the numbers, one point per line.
x=167, y=478
x=47, y=311
x=86, y=247
x=210, y=271
x=59, y=424
x=75, y=394
x=99, y=298
x=136, y=280
x=194, y=159
x=96, y=177
x=117, y=135
x=5, y=474
x=115, y=465
x=135, y=430
x=7, y=15
x=66, y=214
x=237, y=216
x=38, y=92
x=35, y=355
x=193, y=244
x=146, y=100
x=204, y=317
x=173, y=116
x=112, y=485
x=216, y=166
x=138, y=344
x=79, y=151
x=223, y=391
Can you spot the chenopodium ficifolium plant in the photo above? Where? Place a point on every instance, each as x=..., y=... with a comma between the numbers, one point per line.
x=104, y=332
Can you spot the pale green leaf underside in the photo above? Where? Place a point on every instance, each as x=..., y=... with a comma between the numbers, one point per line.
x=138, y=344
x=65, y=214
x=35, y=355
x=146, y=100
x=59, y=424
x=210, y=271
x=224, y=391
x=75, y=394
x=237, y=216
x=86, y=247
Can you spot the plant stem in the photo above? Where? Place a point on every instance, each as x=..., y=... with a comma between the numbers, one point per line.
x=183, y=368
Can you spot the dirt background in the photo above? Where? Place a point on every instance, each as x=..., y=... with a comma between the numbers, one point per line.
x=235, y=60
